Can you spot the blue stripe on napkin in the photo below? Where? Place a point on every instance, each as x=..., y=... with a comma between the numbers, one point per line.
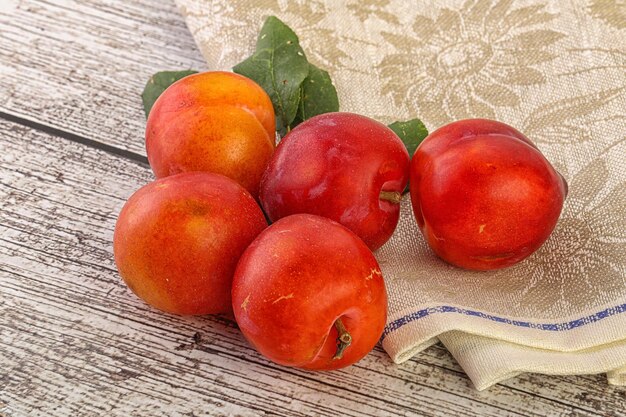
x=568, y=325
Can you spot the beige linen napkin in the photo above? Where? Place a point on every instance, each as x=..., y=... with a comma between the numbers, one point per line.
x=554, y=70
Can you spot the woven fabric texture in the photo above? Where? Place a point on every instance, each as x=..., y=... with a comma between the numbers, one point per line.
x=554, y=70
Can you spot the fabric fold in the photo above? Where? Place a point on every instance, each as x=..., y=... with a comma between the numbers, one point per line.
x=488, y=361
x=556, y=72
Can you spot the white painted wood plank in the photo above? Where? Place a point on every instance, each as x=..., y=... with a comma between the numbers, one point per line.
x=81, y=65
x=74, y=338
x=71, y=329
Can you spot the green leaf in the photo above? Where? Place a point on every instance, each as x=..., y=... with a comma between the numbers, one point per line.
x=412, y=132
x=317, y=95
x=158, y=83
x=279, y=66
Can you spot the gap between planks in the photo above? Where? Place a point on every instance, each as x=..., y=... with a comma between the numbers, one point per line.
x=53, y=131
x=116, y=20
x=40, y=254
x=93, y=162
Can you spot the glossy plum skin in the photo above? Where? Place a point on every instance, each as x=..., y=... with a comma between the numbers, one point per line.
x=483, y=195
x=213, y=121
x=335, y=165
x=178, y=239
x=295, y=280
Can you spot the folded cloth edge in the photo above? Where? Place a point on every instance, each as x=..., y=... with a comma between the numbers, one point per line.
x=488, y=361
x=573, y=334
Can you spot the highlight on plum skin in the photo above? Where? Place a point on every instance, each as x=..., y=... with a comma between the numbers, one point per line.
x=483, y=195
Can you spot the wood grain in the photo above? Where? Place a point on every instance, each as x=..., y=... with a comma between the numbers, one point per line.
x=76, y=341
x=81, y=65
x=73, y=339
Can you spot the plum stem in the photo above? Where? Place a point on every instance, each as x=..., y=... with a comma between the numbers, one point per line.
x=343, y=339
x=394, y=197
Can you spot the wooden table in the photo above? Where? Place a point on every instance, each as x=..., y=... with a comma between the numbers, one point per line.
x=74, y=341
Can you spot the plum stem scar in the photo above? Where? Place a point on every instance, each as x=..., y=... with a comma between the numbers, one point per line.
x=343, y=339
x=394, y=197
